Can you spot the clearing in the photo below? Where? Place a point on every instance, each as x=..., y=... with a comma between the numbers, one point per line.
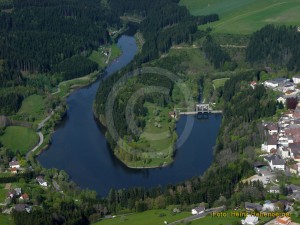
x=19, y=138
x=33, y=108
x=219, y=82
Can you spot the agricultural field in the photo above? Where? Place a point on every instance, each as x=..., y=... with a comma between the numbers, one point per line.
x=246, y=16
x=19, y=138
x=145, y=218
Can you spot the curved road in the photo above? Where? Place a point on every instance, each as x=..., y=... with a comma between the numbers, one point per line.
x=41, y=136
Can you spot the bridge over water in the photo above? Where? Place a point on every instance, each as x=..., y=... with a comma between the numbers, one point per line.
x=199, y=108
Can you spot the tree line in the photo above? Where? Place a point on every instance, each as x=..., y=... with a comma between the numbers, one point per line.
x=275, y=45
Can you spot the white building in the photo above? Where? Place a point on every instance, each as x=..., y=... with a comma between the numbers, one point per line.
x=270, y=144
x=296, y=79
x=275, y=162
x=198, y=210
x=41, y=181
x=270, y=84
x=250, y=220
x=14, y=164
x=269, y=207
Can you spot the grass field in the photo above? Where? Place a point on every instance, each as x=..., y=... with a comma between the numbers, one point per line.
x=100, y=58
x=19, y=138
x=5, y=220
x=115, y=52
x=65, y=87
x=246, y=16
x=156, y=140
x=151, y=217
x=3, y=193
x=33, y=106
x=219, y=82
x=159, y=137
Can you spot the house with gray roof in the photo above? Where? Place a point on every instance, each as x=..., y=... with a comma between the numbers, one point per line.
x=249, y=206
x=275, y=162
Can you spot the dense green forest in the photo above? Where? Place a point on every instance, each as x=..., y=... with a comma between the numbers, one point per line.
x=36, y=35
x=217, y=56
x=276, y=46
x=50, y=39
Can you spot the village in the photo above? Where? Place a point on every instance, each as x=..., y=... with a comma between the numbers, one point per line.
x=22, y=189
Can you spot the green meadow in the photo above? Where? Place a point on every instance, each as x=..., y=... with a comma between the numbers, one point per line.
x=33, y=106
x=219, y=82
x=246, y=16
x=6, y=220
x=150, y=217
x=19, y=138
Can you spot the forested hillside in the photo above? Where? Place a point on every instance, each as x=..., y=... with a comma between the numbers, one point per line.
x=36, y=35
x=275, y=45
x=52, y=37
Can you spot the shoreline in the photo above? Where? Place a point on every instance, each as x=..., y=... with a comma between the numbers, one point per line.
x=90, y=79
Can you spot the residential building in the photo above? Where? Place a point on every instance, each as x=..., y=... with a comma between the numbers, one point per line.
x=269, y=207
x=14, y=164
x=283, y=220
x=198, y=210
x=41, y=181
x=22, y=208
x=250, y=220
x=296, y=79
x=275, y=162
x=252, y=206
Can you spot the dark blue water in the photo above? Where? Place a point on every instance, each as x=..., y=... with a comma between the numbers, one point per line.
x=79, y=147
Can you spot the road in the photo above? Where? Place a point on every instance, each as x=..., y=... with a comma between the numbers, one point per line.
x=42, y=123
x=109, y=54
x=41, y=136
x=199, y=216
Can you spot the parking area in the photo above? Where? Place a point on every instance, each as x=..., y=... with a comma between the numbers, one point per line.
x=263, y=174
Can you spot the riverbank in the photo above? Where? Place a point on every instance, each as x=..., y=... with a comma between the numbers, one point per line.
x=64, y=89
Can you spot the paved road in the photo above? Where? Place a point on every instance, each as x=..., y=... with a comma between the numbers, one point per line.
x=196, y=217
x=41, y=136
x=42, y=123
